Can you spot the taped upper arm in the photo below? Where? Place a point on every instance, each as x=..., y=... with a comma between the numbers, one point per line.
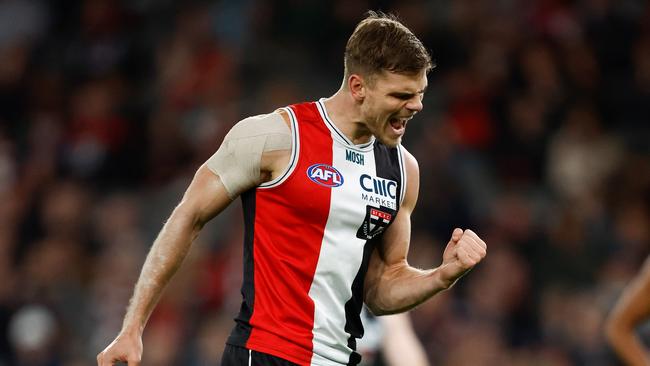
x=238, y=161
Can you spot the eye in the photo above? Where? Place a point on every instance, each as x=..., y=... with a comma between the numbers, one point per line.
x=402, y=96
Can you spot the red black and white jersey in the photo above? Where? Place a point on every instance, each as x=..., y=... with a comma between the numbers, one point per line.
x=308, y=239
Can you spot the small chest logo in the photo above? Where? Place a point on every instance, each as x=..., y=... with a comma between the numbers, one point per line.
x=375, y=222
x=354, y=157
x=325, y=175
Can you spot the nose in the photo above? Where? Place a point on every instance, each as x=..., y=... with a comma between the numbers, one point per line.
x=415, y=104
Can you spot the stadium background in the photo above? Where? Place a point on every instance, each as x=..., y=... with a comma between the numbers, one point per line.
x=535, y=132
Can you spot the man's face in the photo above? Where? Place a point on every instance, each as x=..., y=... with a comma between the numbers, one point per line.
x=390, y=102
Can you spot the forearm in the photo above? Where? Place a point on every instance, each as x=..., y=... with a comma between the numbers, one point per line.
x=164, y=258
x=402, y=287
x=400, y=344
x=631, y=309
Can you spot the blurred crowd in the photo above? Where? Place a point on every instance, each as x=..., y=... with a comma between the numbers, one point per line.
x=535, y=133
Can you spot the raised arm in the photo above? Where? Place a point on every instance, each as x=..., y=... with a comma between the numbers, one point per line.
x=631, y=309
x=391, y=285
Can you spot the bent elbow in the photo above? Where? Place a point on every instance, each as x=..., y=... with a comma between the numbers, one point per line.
x=186, y=220
x=378, y=308
x=615, y=329
x=377, y=311
x=610, y=331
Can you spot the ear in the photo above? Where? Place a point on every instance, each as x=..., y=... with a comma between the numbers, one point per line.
x=357, y=86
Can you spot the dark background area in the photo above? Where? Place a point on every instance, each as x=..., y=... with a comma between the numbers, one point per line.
x=535, y=133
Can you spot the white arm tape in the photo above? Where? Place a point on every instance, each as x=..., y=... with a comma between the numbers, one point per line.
x=237, y=161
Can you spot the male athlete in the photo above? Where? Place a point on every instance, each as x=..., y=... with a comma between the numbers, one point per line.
x=327, y=192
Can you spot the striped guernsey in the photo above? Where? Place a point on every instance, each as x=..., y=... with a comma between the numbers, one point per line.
x=308, y=239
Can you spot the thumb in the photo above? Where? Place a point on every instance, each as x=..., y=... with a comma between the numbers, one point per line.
x=456, y=235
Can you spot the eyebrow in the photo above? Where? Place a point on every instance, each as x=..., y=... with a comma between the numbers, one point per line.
x=408, y=94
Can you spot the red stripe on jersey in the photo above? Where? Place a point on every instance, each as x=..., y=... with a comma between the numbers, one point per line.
x=290, y=221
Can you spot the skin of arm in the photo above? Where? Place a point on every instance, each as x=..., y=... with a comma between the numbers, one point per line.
x=205, y=197
x=631, y=309
x=400, y=345
x=391, y=285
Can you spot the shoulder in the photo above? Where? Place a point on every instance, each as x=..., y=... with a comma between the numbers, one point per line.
x=412, y=179
x=262, y=124
x=410, y=163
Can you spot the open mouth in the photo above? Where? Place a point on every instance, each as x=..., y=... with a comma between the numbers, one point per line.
x=398, y=124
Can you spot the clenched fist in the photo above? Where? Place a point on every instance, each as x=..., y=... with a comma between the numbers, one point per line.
x=464, y=250
x=126, y=348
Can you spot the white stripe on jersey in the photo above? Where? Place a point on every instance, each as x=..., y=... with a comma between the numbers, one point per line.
x=339, y=261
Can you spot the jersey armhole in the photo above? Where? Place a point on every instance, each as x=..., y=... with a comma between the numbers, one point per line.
x=402, y=172
x=295, y=149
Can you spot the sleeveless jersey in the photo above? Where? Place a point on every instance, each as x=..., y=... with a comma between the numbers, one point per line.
x=308, y=239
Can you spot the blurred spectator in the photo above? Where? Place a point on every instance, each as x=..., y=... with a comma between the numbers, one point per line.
x=32, y=332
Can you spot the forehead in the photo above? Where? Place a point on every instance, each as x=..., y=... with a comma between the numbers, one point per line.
x=408, y=83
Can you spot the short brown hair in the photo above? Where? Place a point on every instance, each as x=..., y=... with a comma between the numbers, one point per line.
x=380, y=42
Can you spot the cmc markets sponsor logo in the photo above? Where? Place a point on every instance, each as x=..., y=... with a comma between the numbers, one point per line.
x=380, y=186
x=325, y=175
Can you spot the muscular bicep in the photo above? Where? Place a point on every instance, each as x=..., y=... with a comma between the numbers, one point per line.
x=252, y=152
x=393, y=248
x=392, y=251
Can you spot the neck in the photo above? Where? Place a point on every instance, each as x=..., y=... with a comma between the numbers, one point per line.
x=345, y=113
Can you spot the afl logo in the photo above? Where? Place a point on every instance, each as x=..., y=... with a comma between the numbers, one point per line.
x=325, y=175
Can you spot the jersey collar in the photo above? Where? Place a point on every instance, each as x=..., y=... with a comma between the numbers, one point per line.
x=337, y=134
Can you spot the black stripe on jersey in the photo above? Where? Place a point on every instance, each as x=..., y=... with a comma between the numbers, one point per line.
x=353, y=324
x=388, y=166
x=242, y=331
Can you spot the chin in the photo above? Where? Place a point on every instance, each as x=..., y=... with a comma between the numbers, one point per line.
x=390, y=142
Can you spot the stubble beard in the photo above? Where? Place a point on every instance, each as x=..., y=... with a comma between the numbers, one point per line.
x=383, y=136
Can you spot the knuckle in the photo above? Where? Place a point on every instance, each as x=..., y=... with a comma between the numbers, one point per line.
x=476, y=237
